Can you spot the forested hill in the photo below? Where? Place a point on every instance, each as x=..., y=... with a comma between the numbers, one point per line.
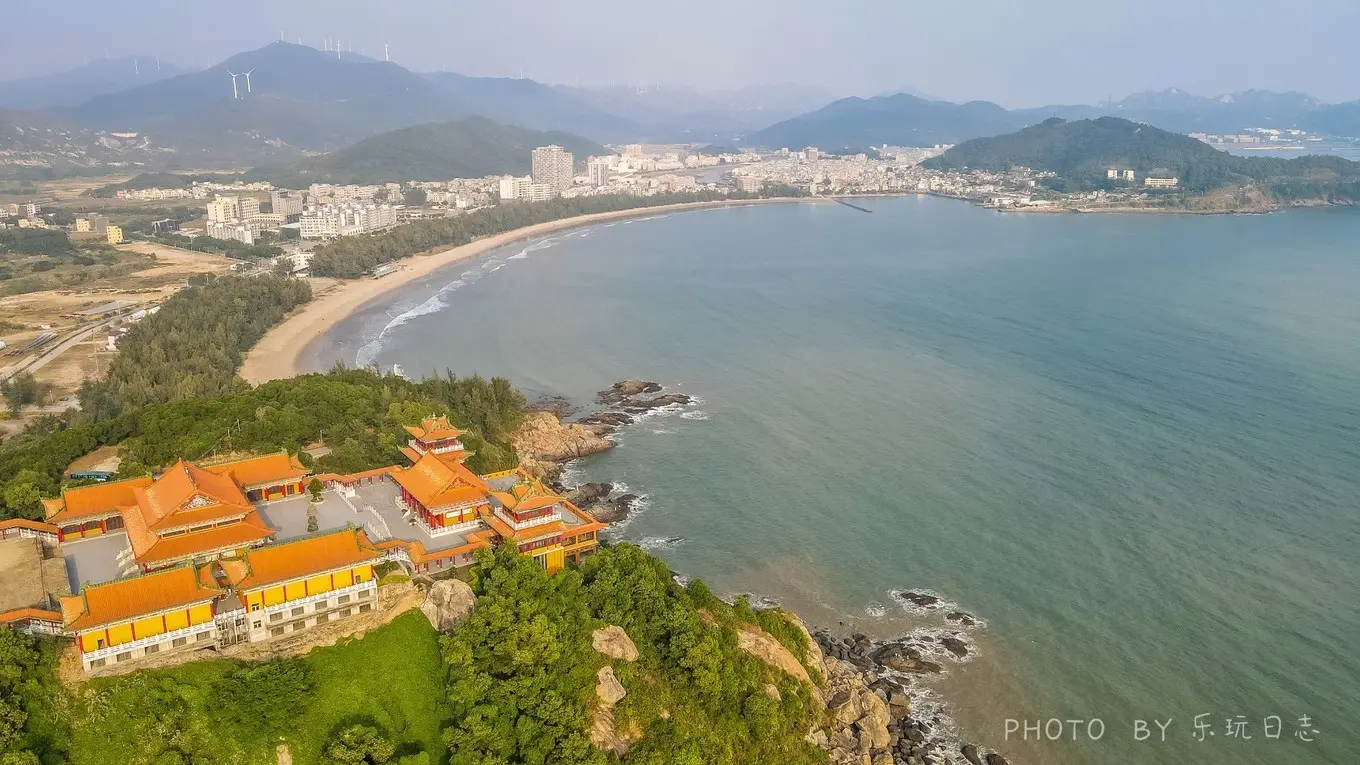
x=467, y=148
x=1080, y=152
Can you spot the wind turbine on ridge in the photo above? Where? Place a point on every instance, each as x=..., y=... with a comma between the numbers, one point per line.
x=247, y=75
x=234, y=92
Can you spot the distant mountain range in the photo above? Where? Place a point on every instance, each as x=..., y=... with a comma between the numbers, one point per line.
x=298, y=101
x=76, y=86
x=905, y=120
x=898, y=120
x=683, y=115
x=1080, y=152
x=468, y=148
x=531, y=104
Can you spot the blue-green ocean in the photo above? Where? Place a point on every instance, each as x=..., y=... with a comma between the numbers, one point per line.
x=1131, y=444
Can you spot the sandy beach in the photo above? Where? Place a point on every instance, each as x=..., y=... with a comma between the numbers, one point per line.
x=277, y=354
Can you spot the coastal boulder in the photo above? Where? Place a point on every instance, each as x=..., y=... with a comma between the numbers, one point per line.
x=970, y=753
x=625, y=388
x=608, y=689
x=873, y=724
x=761, y=645
x=589, y=493
x=542, y=439
x=613, y=642
x=448, y=603
x=904, y=658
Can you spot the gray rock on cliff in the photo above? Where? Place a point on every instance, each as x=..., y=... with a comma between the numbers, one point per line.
x=448, y=603
x=613, y=642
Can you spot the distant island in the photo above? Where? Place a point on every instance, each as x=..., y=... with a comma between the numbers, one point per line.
x=1114, y=162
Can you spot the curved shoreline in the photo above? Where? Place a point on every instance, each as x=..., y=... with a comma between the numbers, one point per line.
x=277, y=354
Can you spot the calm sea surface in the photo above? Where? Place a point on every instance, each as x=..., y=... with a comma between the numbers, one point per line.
x=1130, y=444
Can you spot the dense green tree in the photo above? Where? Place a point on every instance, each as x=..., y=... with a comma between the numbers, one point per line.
x=193, y=345
x=23, y=390
x=23, y=494
x=263, y=698
x=1082, y=151
x=360, y=745
x=353, y=256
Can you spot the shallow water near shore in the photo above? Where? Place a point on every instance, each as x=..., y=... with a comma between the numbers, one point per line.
x=1127, y=443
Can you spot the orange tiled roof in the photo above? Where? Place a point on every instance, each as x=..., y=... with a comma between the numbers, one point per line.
x=527, y=495
x=128, y=598
x=187, y=495
x=439, y=483
x=24, y=523
x=18, y=614
x=434, y=429
x=259, y=471
x=149, y=548
x=304, y=557
x=95, y=500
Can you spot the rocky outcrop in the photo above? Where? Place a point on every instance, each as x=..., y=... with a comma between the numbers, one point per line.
x=869, y=682
x=608, y=689
x=589, y=493
x=614, y=510
x=763, y=646
x=905, y=658
x=613, y=642
x=448, y=603
x=608, y=692
x=610, y=420
x=858, y=718
x=543, y=443
x=625, y=389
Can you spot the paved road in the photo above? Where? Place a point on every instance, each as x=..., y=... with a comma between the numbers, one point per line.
x=53, y=352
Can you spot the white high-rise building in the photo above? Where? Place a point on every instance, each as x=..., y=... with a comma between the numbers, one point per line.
x=233, y=231
x=345, y=220
x=553, y=167
x=525, y=189
x=226, y=208
x=287, y=204
x=598, y=170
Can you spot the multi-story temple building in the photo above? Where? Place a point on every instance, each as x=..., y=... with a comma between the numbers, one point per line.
x=265, y=593
x=216, y=554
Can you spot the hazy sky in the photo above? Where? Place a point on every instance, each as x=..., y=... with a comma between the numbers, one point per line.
x=1014, y=52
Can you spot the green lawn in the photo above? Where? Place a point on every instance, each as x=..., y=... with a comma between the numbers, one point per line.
x=392, y=679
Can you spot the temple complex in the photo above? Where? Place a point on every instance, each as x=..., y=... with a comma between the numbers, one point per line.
x=208, y=555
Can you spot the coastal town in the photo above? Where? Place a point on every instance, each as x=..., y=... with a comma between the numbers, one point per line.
x=257, y=212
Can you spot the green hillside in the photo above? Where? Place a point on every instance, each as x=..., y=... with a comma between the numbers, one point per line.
x=468, y=148
x=1080, y=153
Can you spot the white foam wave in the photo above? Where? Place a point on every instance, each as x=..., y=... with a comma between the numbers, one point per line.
x=662, y=431
x=694, y=415
x=940, y=604
x=572, y=476
x=875, y=610
x=368, y=352
x=660, y=543
x=541, y=244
